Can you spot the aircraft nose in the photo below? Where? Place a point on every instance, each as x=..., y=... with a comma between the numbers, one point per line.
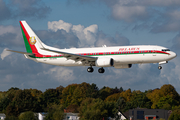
x=173, y=54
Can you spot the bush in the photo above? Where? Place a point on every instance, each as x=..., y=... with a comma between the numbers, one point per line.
x=11, y=118
x=28, y=116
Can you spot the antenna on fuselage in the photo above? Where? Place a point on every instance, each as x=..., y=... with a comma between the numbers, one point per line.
x=104, y=46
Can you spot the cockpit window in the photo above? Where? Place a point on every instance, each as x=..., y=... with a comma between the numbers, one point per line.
x=165, y=50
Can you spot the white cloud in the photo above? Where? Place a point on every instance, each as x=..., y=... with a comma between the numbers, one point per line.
x=144, y=66
x=85, y=35
x=88, y=36
x=174, y=14
x=160, y=2
x=10, y=35
x=170, y=73
x=59, y=25
x=128, y=13
x=61, y=74
x=91, y=28
x=161, y=15
x=7, y=29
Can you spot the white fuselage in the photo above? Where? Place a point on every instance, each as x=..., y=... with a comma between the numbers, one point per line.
x=120, y=54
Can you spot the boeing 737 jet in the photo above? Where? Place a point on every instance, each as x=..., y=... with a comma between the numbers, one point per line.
x=117, y=57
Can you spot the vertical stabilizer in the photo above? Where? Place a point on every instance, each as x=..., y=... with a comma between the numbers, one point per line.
x=32, y=43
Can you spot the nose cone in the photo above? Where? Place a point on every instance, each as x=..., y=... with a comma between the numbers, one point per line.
x=173, y=55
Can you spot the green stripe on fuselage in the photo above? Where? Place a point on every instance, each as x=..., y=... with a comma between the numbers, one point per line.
x=28, y=48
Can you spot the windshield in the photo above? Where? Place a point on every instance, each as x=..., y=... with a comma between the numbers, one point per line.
x=165, y=50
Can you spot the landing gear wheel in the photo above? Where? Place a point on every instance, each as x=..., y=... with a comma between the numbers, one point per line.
x=101, y=70
x=90, y=69
x=160, y=67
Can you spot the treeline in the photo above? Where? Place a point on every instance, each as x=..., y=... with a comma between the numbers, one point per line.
x=87, y=100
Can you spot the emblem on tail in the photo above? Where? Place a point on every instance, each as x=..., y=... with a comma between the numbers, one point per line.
x=32, y=40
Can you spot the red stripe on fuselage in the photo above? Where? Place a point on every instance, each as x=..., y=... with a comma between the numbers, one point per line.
x=107, y=53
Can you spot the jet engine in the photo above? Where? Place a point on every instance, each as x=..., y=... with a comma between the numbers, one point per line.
x=121, y=66
x=104, y=62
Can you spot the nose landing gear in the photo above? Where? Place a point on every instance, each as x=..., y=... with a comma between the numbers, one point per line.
x=160, y=67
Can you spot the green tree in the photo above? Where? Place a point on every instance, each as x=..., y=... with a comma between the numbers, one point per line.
x=127, y=106
x=83, y=91
x=92, y=109
x=121, y=89
x=166, y=90
x=115, y=90
x=11, y=110
x=111, y=108
x=22, y=101
x=139, y=99
x=4, y=102
x=104, y=92
x=29, y=115
x=166, y=101
x=121, y=103
x=154, y=96
x=11, y=118
x=35, y=93
x=67, y=94
x=73, y=108
x=55, y=112
x=92, y=91
x=126, y=95
x=12, y=89
x=50, y=96
x=7, y=98
x=74, y=94
x=175, y=115
x=113, y=97
x=60, y=89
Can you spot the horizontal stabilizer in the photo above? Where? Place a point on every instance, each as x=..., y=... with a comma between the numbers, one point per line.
x=21, y=52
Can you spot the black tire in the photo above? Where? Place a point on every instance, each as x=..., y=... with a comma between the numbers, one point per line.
x=101, y=70
x=160, y=67
x=90, y=69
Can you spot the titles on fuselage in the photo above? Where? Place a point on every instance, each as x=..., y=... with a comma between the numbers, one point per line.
x=129, y=49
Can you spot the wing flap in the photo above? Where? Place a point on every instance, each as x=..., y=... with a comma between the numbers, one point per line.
x=74, y=57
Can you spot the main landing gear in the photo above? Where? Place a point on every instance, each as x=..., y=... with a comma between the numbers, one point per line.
x=90, y=69
x=100, y=70
x=159, y=67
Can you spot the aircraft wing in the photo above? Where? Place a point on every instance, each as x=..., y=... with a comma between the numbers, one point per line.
x=20, y=52
x=75, y=57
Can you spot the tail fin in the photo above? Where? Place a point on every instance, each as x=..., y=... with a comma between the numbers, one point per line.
x=32, y=43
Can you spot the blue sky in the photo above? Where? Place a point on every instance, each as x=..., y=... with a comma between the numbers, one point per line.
x=117, y=22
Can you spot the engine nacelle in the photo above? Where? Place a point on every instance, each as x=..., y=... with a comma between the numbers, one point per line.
x=121, y=66
x=104, y=62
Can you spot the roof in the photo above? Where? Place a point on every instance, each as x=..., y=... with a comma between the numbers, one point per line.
x=2, y=115
x=72, y=114
x=123, y=114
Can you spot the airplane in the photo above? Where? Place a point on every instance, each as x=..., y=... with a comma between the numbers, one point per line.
x=118, y=57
